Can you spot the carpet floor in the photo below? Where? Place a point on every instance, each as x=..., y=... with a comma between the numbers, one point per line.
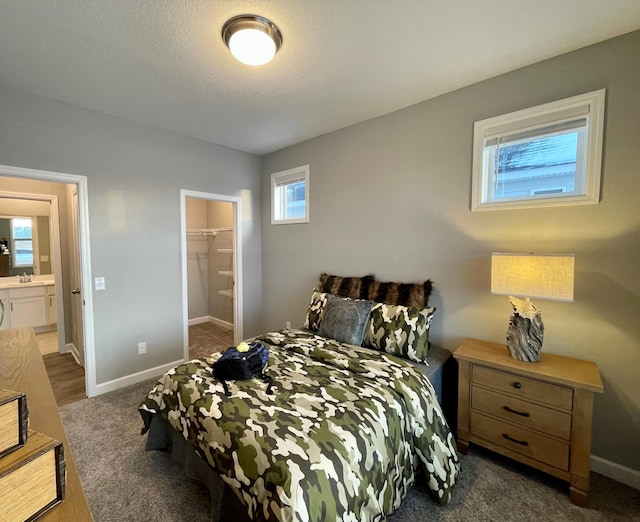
x=123, y=482
x=206, y=338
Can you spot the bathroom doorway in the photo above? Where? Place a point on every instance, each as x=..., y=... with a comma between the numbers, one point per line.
x=34, y=255
x=211, y=274
x=24, y=182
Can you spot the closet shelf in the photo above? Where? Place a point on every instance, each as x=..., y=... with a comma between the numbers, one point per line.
x=207, y=231
x=225, y=272
x=226, y=250
x=228, y=293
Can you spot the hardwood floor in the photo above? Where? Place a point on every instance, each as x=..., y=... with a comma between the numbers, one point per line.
x=47, y=342
x=66, y=377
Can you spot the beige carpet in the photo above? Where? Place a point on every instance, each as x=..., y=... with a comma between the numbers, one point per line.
x=207, y=338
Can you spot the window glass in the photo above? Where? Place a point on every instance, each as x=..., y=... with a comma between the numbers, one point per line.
x=295, y=200
x=21, y=236
x=536, y=166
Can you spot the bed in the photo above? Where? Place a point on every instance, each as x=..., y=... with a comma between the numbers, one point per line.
x=345, y=430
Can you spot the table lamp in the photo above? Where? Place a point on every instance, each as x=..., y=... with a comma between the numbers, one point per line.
x=544, y=276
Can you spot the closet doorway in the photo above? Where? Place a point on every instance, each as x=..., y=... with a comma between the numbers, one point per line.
x=211, y=272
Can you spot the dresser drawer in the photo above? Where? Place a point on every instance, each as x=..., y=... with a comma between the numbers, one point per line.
x=544, y=449
x=540, y=391
x=523, y=413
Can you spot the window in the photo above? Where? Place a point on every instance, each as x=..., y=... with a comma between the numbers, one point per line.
x=544, y=156
x=22, y=242
x=290, y=196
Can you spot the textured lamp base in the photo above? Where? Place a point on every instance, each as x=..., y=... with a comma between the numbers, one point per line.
x=524, y=337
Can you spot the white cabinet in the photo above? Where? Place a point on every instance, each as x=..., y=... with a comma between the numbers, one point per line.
x=52, y=309
x=5, y=310
x=27, y=306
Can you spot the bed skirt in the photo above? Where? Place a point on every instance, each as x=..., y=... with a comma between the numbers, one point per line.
x=225, y=505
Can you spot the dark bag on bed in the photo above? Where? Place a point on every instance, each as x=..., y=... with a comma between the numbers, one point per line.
x=235, y=365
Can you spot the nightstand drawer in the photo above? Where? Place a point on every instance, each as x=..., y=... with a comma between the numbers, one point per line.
x=539, y=391
x=523, y=413
x=544, y=449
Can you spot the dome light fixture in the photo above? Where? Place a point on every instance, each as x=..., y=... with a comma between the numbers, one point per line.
x=252, y=39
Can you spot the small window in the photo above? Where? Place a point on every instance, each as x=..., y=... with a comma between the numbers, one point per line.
x=290, y=196
x=544, y=156
x=22, y=242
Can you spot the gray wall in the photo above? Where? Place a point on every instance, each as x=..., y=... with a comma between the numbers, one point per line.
x=135, y=174
x=391, y=196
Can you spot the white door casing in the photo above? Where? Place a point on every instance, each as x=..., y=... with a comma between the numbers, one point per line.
x=237, y=262
x=77, y=293
x=84, y=271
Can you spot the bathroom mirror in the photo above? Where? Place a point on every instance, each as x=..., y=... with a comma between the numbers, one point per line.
x=35, y=239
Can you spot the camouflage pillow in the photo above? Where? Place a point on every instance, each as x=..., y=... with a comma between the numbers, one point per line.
x=316, y=308
x=345, y=320
x=399, y=330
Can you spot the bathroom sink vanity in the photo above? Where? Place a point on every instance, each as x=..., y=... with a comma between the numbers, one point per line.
x=30, y=304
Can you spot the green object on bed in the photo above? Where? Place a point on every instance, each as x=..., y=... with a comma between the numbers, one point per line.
x=340, y=439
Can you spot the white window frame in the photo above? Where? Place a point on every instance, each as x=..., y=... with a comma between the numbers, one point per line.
x=281, y=179
x=589, y=106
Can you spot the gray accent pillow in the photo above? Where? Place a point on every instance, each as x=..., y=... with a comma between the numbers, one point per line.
x=345, y=320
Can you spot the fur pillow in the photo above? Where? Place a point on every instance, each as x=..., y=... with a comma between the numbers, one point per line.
x=352, y=287
x=367, y=287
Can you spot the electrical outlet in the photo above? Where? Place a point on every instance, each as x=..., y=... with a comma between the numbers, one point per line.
x=288, y=324
x=142, y=348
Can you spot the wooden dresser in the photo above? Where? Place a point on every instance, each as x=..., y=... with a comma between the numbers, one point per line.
x=22, y=370
x=537, y=413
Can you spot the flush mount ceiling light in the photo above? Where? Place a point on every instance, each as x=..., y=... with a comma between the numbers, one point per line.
x=252, y=39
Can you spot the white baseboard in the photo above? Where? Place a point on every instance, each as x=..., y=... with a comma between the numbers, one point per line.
x=199, y=320
x=628, y=476
x=220, y=322
x=71, y=348
x=210, y=319
x=135, y=378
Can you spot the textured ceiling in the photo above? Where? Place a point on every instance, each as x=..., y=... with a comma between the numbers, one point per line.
x=163, y=62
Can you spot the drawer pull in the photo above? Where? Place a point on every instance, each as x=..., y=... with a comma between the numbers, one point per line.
x=517, y=385
x=521, y=413
x=521, y=442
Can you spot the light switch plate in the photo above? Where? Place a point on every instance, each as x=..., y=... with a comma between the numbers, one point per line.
x=100, y=285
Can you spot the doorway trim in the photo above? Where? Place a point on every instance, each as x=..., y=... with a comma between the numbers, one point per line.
x=237, y=262
x=85, y=257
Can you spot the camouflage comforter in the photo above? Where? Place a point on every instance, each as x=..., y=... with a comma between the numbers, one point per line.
x=339, y=439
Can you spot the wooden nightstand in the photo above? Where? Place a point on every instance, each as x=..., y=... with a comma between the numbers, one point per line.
x=538, y=413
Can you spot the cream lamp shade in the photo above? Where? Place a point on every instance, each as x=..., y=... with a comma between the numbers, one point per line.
x=545, y=276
